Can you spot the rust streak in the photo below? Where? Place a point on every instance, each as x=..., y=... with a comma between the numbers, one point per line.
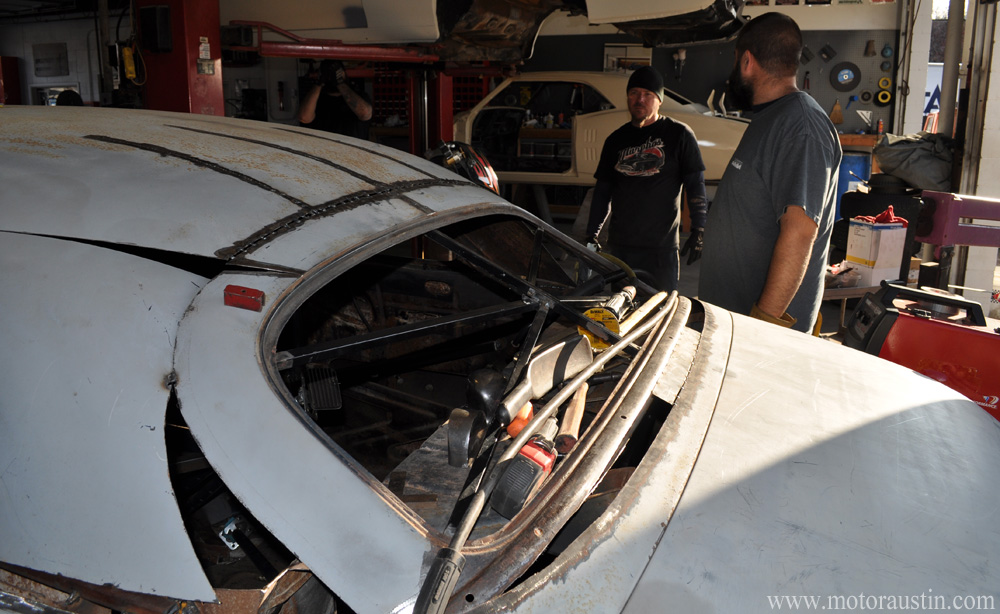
x=163, y=151
x=290, y=150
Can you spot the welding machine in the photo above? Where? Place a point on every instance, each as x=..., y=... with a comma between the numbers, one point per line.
x=941, y=335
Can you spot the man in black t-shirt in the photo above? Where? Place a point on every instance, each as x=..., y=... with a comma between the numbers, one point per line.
x=639, y=177
x=333, y=105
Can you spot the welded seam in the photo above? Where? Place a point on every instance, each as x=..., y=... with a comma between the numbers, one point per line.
x=218, y=168
x=333, y=207
x=295, y=152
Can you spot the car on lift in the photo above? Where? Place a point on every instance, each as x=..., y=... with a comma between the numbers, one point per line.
x=252, y=368
x=501, y=31
x=548, y=128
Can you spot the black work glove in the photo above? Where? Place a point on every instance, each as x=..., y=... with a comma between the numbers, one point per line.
x=694, y=244
x=331, y=72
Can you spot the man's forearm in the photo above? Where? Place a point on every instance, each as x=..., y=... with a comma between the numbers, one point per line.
x=697, y=201
x=789, y=261
x=307, y=110
x=600, y=205
x=358, y=105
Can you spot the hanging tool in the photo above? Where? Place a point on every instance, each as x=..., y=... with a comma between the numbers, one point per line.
x=837, y=114
x=845, y=76
x=849, y=101
x=866, y=116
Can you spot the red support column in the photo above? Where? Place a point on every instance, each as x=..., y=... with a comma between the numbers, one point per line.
x=441, y=109
x=414, y=112
x=182, y=55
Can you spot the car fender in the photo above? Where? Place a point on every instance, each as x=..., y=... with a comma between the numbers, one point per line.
x=283, y=468
x=835, y=498
x=82, y=416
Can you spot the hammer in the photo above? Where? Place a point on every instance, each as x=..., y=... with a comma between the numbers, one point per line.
x=569, y=429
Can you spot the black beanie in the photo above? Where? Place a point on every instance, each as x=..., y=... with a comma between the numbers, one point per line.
x=648, y=78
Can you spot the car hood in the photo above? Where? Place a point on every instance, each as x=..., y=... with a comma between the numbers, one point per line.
x=201, y=186
x=823, y=474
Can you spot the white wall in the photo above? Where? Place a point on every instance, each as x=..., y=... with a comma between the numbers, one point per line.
x=80, y=37
x=981, y=270
x=865, y=15
x=910, y=108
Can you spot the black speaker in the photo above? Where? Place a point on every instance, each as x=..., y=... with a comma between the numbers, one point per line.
x=154, y=29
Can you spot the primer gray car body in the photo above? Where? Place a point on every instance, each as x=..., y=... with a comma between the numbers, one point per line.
x=163, y=445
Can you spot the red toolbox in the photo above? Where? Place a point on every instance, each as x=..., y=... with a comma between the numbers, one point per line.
x=941, y=335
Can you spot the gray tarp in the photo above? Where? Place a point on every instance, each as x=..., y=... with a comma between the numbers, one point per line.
x=923, y=160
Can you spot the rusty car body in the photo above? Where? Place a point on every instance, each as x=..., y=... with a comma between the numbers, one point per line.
x=251, y=368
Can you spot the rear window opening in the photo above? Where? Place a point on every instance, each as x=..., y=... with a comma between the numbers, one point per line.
x=383, y=355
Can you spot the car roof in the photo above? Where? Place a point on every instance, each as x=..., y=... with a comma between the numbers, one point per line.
x=203, y=185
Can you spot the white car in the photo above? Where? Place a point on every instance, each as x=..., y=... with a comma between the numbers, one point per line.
x=250, y=368
x=509, y=126
x=486, y=30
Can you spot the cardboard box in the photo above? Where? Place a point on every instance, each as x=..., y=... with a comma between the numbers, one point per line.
x=914, y=276
x=875, y=250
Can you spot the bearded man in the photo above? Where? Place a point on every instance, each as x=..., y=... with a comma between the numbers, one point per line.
x=768, y=231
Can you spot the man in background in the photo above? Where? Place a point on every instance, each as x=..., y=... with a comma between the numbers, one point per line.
x=331, y=104
x=639, y=177
x=768, y=231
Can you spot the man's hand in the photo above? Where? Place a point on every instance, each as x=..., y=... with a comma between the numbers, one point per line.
x=694, y=244
x=332, y=72
x=785, y=320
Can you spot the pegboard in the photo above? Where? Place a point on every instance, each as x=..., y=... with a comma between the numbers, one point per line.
x=467, y=91
x=392, y=90
x=862, y=53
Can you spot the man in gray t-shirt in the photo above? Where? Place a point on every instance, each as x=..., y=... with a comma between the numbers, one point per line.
x=768, y=230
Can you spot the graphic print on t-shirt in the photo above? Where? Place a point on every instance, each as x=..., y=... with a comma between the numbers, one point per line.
x=642, y=161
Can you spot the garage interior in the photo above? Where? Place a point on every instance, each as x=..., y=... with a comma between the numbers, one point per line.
x=880, y=67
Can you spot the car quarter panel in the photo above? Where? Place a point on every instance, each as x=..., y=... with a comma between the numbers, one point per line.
x=310, y=494
x=84, y=487
x=828, y=472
